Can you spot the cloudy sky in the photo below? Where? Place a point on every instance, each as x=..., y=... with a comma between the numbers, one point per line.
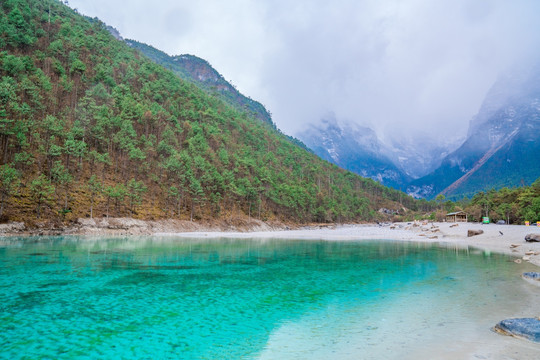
x=398, y=66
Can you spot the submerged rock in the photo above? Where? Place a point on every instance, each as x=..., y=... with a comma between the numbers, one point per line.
x=474, y=232
x=532, y=238
x=528, y=328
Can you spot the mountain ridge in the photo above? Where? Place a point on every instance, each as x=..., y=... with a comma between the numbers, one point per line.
x=502, y=144
x=500, y=150
x=395, y=163
x=353, y=148
x=488, y=155
x=199, y=71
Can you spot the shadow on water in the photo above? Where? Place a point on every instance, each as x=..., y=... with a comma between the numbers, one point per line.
x=30, y=299
x=140, y=278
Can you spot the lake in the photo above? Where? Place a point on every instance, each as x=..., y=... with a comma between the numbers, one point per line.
x=172, y=298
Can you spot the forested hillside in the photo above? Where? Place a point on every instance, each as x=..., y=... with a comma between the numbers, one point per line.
x=513, y=205
x=89, y=127
x=202, y=74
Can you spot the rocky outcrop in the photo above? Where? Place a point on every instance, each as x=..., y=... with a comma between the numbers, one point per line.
x=130, y=226
x=532, y=238
x=528, y=328
x=12, y=228
x=474, y=232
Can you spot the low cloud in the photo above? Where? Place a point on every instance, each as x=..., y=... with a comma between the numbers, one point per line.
x=396, y=66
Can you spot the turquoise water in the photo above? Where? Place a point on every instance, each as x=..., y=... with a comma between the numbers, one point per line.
x=167, y=298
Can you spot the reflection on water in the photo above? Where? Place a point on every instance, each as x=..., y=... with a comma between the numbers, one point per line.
x=149, y=297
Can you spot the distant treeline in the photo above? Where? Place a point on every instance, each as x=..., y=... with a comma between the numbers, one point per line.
x=513, y=205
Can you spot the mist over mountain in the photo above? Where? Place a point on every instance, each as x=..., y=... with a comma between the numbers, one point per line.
x=420, y=154
x=393, y=162
x=503, y=142
x=354, y=148
x=501, y=148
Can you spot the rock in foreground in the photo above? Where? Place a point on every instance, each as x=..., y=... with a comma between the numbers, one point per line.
x=474, y=232
x=531, y=275
x=532, y=238
x=528, y=328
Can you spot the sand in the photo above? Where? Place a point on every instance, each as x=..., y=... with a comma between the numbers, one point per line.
x=508, y=239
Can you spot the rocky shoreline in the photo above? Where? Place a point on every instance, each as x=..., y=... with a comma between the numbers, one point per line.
x=130, y=226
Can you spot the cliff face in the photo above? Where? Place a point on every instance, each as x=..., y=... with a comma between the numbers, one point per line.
x=502, y=146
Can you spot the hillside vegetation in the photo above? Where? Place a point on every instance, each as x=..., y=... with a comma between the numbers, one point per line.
x=89, y=127
x=201, y=73
x=513, y=205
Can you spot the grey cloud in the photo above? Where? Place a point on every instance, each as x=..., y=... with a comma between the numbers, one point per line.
x=397, y=66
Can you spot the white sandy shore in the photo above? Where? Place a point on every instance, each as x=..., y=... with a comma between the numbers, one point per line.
x=496, y=238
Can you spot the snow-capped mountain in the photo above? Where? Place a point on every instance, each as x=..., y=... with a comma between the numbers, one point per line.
x=419, y=154
x=502, y=146
x=354, y=148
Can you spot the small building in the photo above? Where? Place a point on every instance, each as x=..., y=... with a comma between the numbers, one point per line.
x=458, y=216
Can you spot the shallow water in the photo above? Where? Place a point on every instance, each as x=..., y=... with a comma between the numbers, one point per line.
x=159, y=298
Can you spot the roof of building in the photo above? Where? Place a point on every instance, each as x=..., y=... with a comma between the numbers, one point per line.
x=457, y=212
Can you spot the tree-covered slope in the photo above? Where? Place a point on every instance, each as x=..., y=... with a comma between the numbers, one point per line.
x=89, y=127
x=202, y=74
x=513, y=205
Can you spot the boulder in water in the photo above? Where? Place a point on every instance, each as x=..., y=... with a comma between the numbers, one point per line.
x=528, y=328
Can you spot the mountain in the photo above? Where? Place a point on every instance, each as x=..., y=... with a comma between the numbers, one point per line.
x=394, y=163
x=201, y=73
x=419, y=154
x=91, y=127
x=502, y=146
x=354, y=148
